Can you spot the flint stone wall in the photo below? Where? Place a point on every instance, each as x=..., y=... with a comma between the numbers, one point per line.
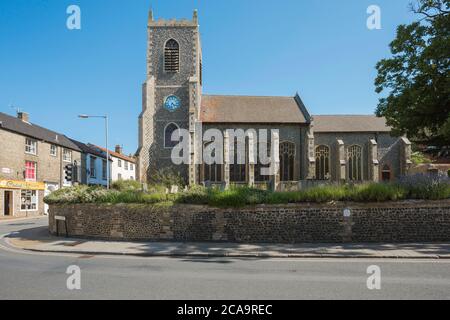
x=409, y=221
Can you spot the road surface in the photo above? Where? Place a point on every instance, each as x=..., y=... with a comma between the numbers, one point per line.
x=25, y=275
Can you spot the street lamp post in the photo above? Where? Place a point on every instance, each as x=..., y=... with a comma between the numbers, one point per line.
x=85, y=116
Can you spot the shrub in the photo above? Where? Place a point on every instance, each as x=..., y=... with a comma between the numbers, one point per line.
x=168, y=177
x=124, y=185
x=419, y=158
x=412, y=187
x=426, y=186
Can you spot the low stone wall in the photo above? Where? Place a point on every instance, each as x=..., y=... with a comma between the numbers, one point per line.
x=409, y=221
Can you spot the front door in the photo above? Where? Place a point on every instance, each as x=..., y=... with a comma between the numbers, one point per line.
x=8, y=204
x=49, y=188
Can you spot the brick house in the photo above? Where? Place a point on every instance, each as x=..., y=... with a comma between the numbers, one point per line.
x=311, y=148
x=32, y=164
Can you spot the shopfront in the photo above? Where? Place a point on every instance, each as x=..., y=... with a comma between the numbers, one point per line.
x=21, y=198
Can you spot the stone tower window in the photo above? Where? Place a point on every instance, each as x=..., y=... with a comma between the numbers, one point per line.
x=322, y=163
x=168, y=132
x=287, y=156
x=172, y=56
x=355, y=163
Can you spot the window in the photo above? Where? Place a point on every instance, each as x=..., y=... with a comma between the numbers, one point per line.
x=126, y=165
x=28, y=200
x=172, y=56
x=258, y=166
x=386, y=173
x=213, y=172
x=104, y=170
x=30, y=146
x=67, y=155
x=119, y=163
x=287, y=157
x=238, y=172
x=30, y=170
x=119, y=176
x=93, y=173
x=131, y=166
x=53, y=150
x=354, y=159
x=168, y=132
x=322, y=163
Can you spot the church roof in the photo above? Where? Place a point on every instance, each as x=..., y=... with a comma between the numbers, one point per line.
x=253, y=109
x=350, y=123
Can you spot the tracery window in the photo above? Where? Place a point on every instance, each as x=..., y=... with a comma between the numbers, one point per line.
x=322, y=163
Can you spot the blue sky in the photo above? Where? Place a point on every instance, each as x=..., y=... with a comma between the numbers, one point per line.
x=322, y=49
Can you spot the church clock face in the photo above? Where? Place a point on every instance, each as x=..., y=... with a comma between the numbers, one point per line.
x=172, y=103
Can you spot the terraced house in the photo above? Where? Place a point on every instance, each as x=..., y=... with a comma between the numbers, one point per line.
x=311, y=148
x=32, y=164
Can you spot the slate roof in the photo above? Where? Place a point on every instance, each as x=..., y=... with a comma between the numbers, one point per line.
x=116, y=155
x=31, y=130
x=350, y=123
x=253, y=109
x=88, y=149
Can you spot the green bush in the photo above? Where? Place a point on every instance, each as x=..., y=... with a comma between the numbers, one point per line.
x=416, y=187
x=125, y=185
x=168, y=177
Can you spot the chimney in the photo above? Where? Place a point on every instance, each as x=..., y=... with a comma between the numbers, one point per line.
x=119, y=149
x=25, y=117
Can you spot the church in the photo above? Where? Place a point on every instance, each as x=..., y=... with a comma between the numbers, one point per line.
x=312, y=149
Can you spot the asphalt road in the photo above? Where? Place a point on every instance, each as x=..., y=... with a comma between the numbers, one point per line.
x=40, y=276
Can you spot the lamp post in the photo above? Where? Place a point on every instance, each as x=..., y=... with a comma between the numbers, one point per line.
x=85, y=116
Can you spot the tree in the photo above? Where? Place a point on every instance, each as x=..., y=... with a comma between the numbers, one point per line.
x=417, y=76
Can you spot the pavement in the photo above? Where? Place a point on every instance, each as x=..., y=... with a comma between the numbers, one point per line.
x=37, y=239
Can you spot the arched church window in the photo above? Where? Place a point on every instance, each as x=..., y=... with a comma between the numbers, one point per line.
x=355, y=163
x=386, y=173
x=238, y=172
x=322, y=163
x=212, y=172
x=172, y=56
x=168, y=132
x=287, y=158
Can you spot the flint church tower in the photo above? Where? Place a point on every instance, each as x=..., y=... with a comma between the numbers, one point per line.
x=171, y=94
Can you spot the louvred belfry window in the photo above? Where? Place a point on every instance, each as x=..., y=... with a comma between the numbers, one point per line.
x=172, y=56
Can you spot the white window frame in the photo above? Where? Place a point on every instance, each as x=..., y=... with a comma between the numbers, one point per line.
x=53, y=150
x=126, y=165
x=119, y=163
x=104, y=169
x=36, y=197
x=31, y=148
x=65, y=152
x=92, y=168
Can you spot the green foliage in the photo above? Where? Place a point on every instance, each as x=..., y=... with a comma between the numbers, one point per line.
x=168, y=177
x=124, y=185
x=417, y=76
x=415, y=187
x=419, y=158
